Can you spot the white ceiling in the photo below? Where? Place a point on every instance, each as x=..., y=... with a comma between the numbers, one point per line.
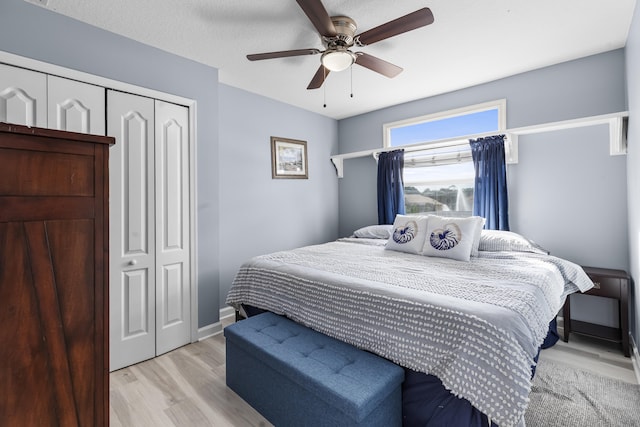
x=470, y=42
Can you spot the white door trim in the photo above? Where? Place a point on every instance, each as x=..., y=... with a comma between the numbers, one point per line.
x=44, y=67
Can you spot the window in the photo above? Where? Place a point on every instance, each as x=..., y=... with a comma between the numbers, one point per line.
x=438, y=170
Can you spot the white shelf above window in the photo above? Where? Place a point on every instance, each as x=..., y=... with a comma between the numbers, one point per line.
x=617, y=138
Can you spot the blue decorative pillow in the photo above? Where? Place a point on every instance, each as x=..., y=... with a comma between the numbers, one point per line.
x=408, y=234
x=451, y=237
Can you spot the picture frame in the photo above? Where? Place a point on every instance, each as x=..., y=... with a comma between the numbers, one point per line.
x=288, y=158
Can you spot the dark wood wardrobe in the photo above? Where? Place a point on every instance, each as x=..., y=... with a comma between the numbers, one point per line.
x=54, y=341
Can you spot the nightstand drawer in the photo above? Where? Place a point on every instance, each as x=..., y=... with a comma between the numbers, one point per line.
x=605, y=287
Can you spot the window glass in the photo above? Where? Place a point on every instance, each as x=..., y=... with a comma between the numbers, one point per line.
x=445, y=128
x=442, y=189
x=439, y=177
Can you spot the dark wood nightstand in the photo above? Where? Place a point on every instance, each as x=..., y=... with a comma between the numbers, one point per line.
x=609, y=284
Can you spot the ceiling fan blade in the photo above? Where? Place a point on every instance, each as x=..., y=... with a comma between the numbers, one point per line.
x=378, y=65
x=409, y=22
x=282, y=54
x=318, y=78
x=318, y=16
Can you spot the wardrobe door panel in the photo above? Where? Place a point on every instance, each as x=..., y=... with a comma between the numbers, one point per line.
x=23, y=96
x=23, y=352
x=70, y=247
x=75, y=106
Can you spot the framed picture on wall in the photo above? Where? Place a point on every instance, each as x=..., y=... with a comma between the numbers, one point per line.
x=288, y=158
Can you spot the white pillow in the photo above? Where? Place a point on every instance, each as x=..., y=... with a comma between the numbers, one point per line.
x=500, y=240
x=408, y=234
x=451, y=237
x=476, y=238
x=374, y=232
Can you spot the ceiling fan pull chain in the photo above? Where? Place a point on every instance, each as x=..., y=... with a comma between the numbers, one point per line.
x=324, y=88
x=351, y=74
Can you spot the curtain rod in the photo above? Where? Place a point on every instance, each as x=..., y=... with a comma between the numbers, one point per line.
x=617, y=138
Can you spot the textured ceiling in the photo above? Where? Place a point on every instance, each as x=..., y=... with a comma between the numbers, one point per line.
x=470, y=42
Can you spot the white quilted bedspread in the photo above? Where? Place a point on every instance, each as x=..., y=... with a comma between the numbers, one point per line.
x=475, y=325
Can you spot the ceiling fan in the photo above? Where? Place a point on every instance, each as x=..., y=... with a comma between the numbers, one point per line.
x=338, y=36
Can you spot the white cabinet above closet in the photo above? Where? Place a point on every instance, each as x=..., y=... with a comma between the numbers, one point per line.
x=23, y=96
x=32, y=98
x=75, y=106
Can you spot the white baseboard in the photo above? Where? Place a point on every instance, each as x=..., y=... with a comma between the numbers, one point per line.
x=635, y=357
x=209, y=330
x=215, y=328
x=227, y=311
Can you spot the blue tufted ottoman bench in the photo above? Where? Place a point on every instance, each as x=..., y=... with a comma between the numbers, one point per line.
x=295, y=376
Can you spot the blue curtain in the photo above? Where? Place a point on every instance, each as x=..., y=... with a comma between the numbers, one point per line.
x=390, y=186
x=490, y=198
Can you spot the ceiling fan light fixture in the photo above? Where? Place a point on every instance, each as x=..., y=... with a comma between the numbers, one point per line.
x=338, y=35
x=338, y=60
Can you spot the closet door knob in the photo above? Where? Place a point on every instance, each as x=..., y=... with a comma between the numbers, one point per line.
x=133, y=262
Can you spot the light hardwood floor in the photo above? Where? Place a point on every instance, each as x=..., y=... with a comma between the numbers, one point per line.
x=593, y=355
x=186, y=387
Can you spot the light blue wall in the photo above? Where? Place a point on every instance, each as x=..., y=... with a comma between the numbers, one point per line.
x=632, y=52
x=586, y=87
x=258, y=214
x=30, y=31
x=566, y=192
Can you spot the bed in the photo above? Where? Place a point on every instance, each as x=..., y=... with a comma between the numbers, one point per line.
x=474, y=326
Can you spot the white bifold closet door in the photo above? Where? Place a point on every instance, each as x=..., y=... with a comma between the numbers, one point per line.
x=149, y=228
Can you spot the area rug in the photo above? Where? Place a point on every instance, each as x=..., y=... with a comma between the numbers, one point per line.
x=562, y=396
